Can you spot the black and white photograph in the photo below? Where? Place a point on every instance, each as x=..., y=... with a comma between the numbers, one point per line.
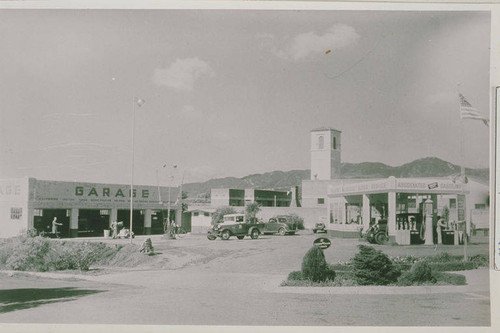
x=247, y=166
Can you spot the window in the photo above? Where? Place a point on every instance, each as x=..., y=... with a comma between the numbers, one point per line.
x=321, y=201
x=196, y=213
x=104, y=212
x=16, y=213
x=453, y=203
x=206, y=214
x=321, y=142
x=239, y=218
x=38, y=212
x=334, y=143
x=480, y=206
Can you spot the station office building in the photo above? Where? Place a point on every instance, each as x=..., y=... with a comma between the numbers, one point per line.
x=350, y=205
x=83, y=209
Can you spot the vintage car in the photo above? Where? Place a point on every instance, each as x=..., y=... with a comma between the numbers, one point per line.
x=281, y=224
x=235, y=225
x=377, y=233
x=319, y=227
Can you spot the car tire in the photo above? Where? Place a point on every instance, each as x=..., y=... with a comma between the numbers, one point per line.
x=282, y=231
x=254, y=234
x=381, y=238
x=240, y=237
x=225, y=235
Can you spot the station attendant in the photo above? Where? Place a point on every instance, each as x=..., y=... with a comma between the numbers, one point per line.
x=441, y=225
x=54, y=226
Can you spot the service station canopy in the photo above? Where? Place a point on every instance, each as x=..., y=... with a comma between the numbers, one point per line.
x=405, y=185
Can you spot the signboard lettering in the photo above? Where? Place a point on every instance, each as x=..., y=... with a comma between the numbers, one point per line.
x=106, y=191
x=10, y=189
x=322, y=242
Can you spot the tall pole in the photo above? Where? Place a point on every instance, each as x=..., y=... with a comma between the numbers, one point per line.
x=132, y=177
x=462, y=170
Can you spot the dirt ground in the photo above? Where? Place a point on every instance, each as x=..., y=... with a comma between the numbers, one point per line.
x=194, y=281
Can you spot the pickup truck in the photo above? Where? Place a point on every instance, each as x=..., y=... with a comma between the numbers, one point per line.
x=235, y=225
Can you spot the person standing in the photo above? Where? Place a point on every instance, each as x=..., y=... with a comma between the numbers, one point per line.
x=441, y=225
x=54, y=226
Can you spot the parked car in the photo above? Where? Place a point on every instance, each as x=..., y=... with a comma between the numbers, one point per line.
x=235, y=225
x=281, y=224
x=377, y=233
x=319, y=227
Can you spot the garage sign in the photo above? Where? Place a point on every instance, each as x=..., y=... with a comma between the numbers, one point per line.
x=322, y=242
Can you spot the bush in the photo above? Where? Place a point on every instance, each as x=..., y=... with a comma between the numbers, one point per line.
x=452, y=266
x=480, y=260
x=295, y=276
x=450, y=278
x=419, y=273
x=314, y=266
x=78, y=256
x=29, y=254
x=220, y=212
x=297, y=221
x=372, y=267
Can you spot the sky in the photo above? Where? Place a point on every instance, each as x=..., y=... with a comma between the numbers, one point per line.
x=234, y=92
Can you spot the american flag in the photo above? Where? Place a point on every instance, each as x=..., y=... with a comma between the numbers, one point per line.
x=469, y=112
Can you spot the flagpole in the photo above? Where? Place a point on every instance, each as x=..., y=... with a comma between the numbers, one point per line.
x=462, y=169
x=132, y=176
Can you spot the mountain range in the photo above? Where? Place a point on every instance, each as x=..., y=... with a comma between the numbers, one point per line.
x=284, y=180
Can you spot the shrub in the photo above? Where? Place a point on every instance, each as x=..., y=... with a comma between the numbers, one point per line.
x=480, y=260
x=29, y=254
x=419, y=273
x=450, y=278
x=77, y=256
x=220, y=212
x=298, y=221
x=314, y=266
x=32, y=232
x=295, y=276
x=452, y=266
x=372, y=267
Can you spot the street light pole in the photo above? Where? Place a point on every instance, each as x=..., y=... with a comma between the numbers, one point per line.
x=132, y=177
x=140, y=102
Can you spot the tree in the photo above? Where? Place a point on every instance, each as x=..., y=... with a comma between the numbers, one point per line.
x=220, y=212
x=184, y=204
x=314, y=266
x=251, y=211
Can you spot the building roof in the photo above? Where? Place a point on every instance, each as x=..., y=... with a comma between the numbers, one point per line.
x=201, y=209
x=321, y=129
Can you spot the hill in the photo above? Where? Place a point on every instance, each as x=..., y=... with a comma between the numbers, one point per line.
x=284, y=180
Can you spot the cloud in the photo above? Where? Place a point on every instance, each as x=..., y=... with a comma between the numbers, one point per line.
x=309, y=44
x=182, y=74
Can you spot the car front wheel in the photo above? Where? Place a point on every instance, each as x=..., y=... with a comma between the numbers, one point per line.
x=381, y=238
x=254, y=234
x=282, y=231
x=225, y=235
